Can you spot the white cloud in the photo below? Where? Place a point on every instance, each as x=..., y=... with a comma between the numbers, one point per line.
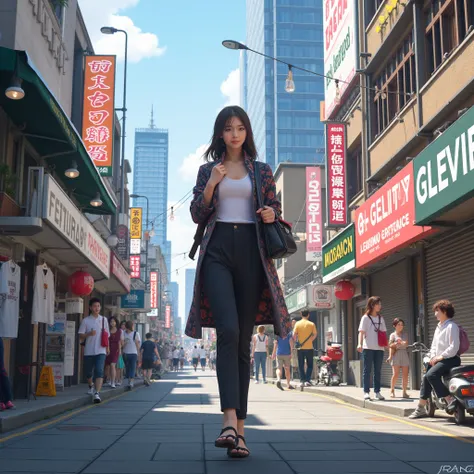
x=230, y=88
x=190, y=166
x=141, y=45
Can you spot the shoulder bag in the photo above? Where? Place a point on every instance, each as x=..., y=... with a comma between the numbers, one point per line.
x=104, y=336
x=381, y=335
x=279, y=241
x=299, y=345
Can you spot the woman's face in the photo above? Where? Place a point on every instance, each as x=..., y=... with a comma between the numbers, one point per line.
x=113, y=323
x=378, y=307
x=122, y=326
x=400, y=326
x=234, y=134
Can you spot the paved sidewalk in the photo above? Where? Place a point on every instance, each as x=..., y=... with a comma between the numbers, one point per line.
x=171, y=427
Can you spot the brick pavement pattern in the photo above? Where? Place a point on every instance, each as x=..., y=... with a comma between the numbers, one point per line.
x=170, y=428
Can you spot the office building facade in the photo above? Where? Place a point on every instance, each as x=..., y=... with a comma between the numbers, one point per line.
x=287, y=126
x=190, y=276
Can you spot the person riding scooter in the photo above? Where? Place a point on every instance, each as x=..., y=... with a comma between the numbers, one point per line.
x=444, y=357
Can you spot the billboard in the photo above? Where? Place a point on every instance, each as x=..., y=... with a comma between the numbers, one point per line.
x=153, y=290
x=168, y=317
x=135, y=266
x=314, y=215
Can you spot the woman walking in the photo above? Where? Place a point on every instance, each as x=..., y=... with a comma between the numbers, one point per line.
x=372, y=341
x=260, y=352
x=131, y=350
x=236, y=283
x=398, y=357
x=115, y=345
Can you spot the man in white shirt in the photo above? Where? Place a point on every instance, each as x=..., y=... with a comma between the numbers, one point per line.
x=444, y=357
x=94, y=353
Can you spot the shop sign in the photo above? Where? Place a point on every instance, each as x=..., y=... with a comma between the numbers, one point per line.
x=74, y=305
x=56, y=347
x=135, y=266
x=336, y=183
x=153, y=313
x=320, y=296
x=122, y=246
x=168, y=316
x=314, y=215
x=340, y=49
x=444, y=171
x=118, y=270
x=69, y=349
x=339, y=254
x=134, y=300
x=65, y=217
x=99, y=110
x=153, y=290
x=385, y=222
x=296, y=301
x=136, y=214
x=135, y=246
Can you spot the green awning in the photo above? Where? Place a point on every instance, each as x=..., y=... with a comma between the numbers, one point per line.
x=50, y=131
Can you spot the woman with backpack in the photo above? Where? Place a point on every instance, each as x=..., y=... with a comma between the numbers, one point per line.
x=260, y=352
x=131, y=350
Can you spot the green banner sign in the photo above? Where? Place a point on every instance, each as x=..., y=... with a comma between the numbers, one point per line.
x=444, y=171
x=297, y=300
x=339, y=254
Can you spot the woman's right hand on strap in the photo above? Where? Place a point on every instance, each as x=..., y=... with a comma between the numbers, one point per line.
x=217, y=175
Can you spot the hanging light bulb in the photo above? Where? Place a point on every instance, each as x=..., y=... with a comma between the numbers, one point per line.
x=337, y=99
x=172, y=214
x=72, y=172
x=384, y=95
x=96, y=202
x=289, y=83
x=15, y=91
x=152, y=231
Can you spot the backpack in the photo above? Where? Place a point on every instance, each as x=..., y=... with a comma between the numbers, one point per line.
x=463, y=341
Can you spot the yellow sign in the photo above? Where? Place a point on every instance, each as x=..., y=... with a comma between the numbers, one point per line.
x=136, y=222
x=46, y=385
x=383, y=18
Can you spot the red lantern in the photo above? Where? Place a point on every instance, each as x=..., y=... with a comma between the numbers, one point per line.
x=81, y=283
x=344, y=290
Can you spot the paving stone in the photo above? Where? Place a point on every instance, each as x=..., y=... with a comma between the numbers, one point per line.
x=145, y=467
x=248, y=466
x=125, y=451
x=178, y=452
x=351, y=467
x=19, y=465
x=359, y=455
x=48, y=454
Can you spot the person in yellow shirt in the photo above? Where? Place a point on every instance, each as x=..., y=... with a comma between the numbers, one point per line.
x=305, y=333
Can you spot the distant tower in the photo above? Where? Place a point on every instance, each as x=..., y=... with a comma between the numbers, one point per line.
x=152, y=120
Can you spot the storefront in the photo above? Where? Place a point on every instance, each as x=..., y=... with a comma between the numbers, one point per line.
x=384, y=231
x=444, y=199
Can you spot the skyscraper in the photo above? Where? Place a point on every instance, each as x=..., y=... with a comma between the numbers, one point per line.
x=286, y=125
x=150, y=179
x=173, y=288
x=190, y=275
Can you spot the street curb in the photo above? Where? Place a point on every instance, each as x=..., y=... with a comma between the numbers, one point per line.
x=15, y=421
x=375, y=406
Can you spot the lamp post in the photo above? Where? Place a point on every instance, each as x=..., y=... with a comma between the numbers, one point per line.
x=110, y=30
x=147, y=237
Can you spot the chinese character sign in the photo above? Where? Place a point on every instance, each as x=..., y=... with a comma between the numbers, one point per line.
x=135, y=266
x=136, y=222
x=314, y=215
x=168, y=316
x=98, y=119
x=153, y=290
x=336, y=175
x=135, y=246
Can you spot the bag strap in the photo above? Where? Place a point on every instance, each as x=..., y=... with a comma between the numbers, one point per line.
x=134, y=335
x=307, y=339
x=377, y=329
x=258, y=184
x=103, y=323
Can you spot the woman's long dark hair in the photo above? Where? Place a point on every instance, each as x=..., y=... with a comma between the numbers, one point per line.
x=217, y=146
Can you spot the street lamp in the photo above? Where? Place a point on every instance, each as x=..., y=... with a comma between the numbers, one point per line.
x=110, y=30
x=137, y=196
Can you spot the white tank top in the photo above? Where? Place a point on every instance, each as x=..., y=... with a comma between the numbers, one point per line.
x=236, y=201
x=260, y=343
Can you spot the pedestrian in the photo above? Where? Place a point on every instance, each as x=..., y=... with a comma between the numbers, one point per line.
x=282, y=348
x=444, y=357
x=175, y=359
x=398, y=357
x=115, y=346
x=182, y=358
x=260, y=352
x=195, y=357
x=294, y=351
x=131, y=350
x=202, y=357
x=120, y=367
x=149, y=353
x=371, y=345
x=212, y=359
x=236, y=283
x=90, y=331
x=6, y=397
x=305, y=333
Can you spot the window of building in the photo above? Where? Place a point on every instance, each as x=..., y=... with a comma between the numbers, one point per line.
x=371, y=9
x=395, y=85
x=354, y=173
x=57, y=10
x=447, y=22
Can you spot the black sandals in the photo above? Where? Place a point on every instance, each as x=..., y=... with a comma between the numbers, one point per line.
x=228, y=441
x=237, y=451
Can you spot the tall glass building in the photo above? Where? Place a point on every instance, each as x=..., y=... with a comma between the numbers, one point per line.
x=286, y=125
x=150, y=179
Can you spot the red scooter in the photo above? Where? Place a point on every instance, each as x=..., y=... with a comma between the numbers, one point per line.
x=329, y=370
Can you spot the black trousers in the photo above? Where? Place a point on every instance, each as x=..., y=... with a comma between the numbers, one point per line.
x=432, y=378
x=233, y=276
x=305, y=355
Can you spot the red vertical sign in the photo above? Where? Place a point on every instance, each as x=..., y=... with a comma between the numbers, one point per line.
x=314, y=215
x=336, y=175
x=168, y=317
x=154, y=290
x=135, y=266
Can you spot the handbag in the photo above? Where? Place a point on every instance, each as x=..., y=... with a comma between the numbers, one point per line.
x=279, y=241
x=104, y=336
x=299, y=345
x=382, y=340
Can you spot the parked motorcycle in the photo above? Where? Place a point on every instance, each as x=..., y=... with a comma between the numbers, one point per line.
x=329, y=370
x=460, y=383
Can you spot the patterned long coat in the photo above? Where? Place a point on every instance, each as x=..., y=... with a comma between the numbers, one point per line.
x=272, y=308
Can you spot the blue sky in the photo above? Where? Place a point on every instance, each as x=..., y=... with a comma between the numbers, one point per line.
x=177, y=63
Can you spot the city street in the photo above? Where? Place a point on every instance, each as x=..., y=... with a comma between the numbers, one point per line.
x=171, y=427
